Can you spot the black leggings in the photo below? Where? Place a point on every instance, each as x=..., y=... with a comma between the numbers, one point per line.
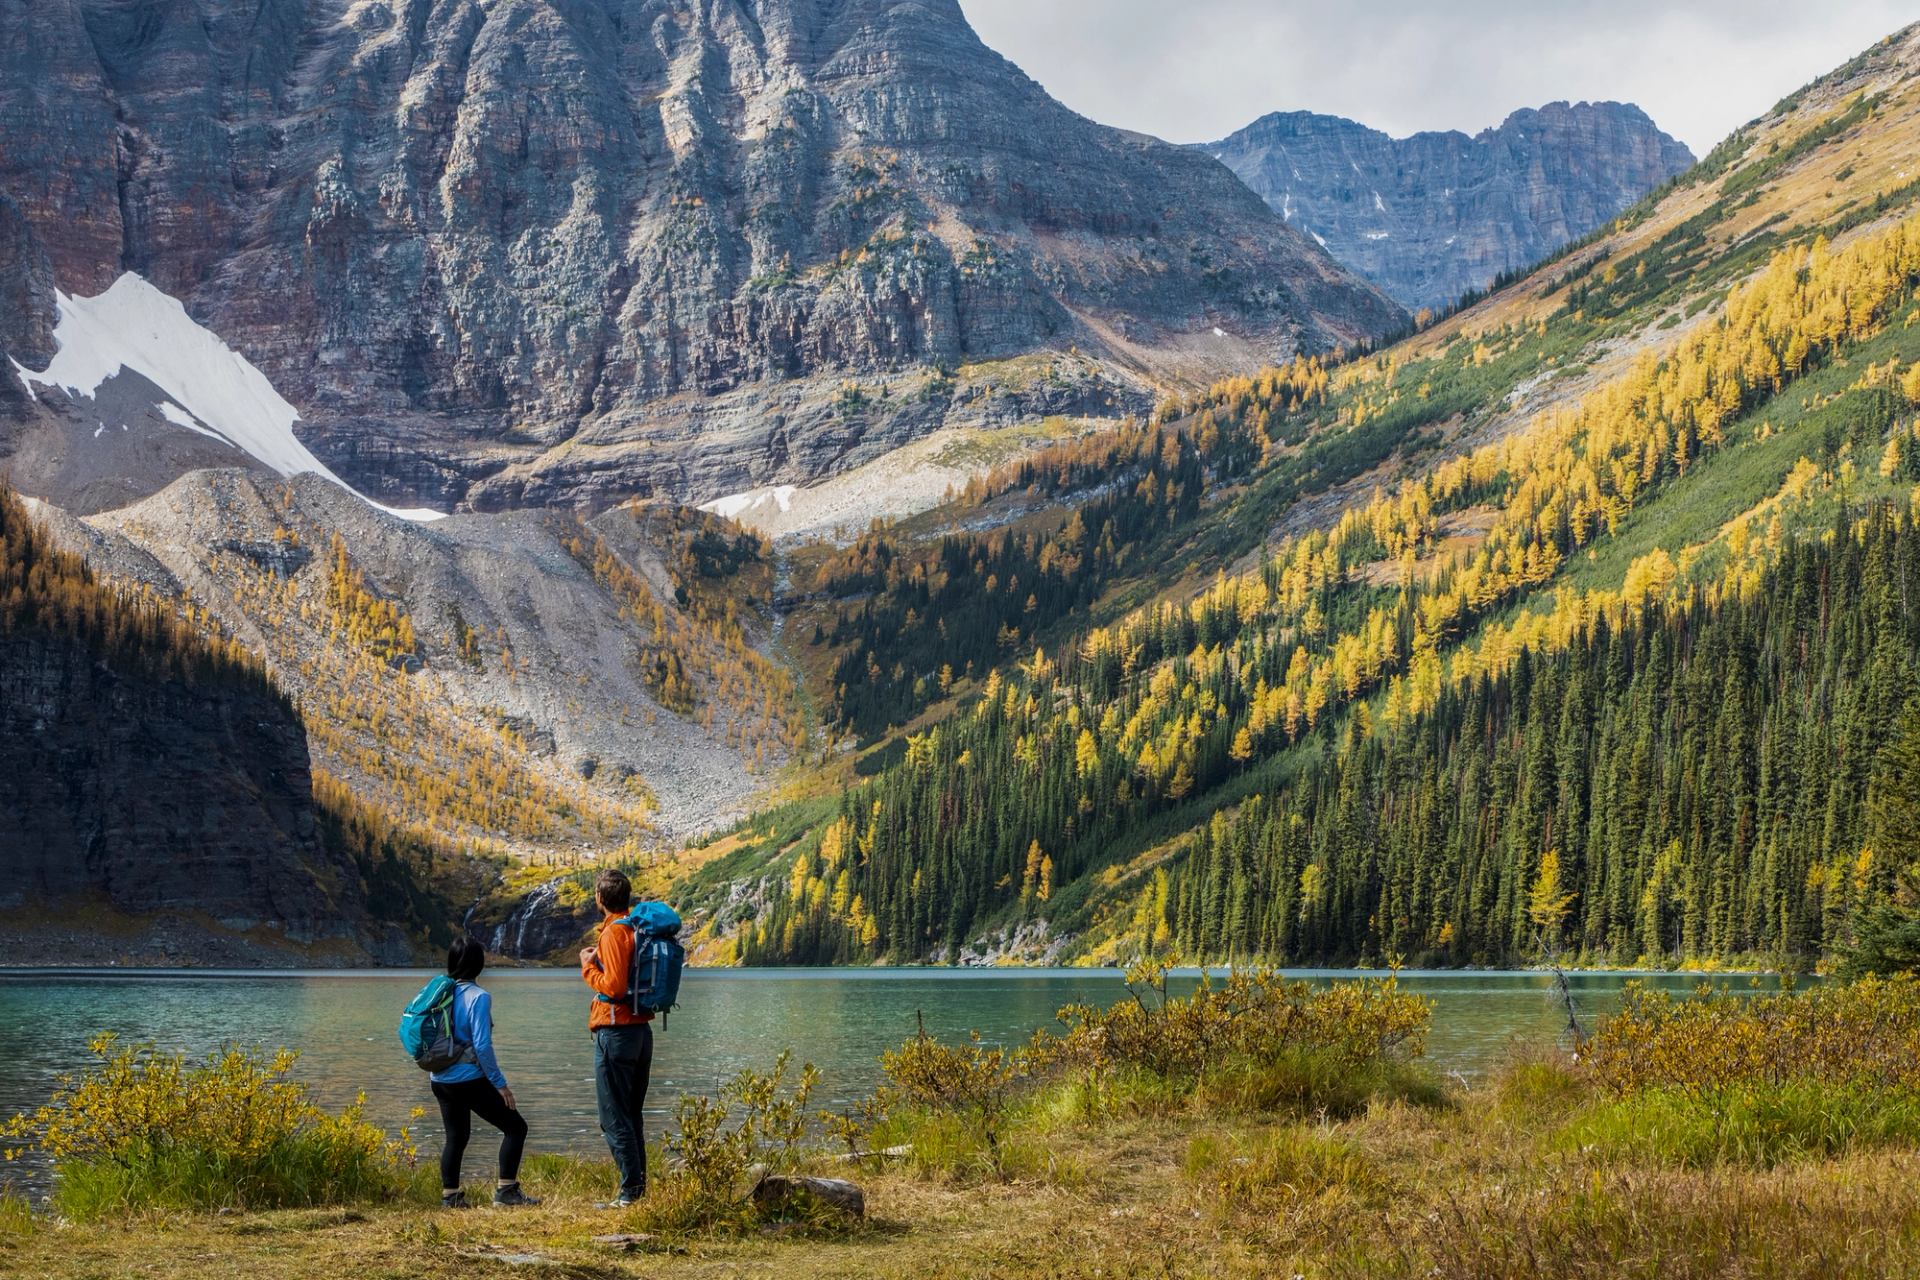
x=459, y=1104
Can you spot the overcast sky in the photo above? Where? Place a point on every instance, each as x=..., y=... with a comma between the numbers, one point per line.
x=1197, y=70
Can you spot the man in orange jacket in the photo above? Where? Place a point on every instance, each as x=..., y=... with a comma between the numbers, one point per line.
x=622, y=1040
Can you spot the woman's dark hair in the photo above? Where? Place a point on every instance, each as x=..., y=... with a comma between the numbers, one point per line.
x=465, y=959
x=614, y=890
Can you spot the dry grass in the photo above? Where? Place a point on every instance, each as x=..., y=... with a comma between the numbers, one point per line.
x=1486, y=1188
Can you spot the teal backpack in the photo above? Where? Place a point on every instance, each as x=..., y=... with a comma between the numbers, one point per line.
x=426, y=1028
x=653, y=980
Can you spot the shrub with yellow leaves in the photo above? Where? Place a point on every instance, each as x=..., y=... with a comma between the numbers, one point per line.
x=1865, y=1033
x=1254, y=1014
x=141, y=1129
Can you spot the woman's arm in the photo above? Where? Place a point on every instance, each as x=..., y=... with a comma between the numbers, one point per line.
x=482, y=1032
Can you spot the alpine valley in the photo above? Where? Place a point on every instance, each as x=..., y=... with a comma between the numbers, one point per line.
x=773, y=446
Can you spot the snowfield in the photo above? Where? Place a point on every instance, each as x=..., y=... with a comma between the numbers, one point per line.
x=213, y=389
x=737, y=505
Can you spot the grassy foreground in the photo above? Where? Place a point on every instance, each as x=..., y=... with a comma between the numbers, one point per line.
x=1472, y=1191
x=1694, y=1139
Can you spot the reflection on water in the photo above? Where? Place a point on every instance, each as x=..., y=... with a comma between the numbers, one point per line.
x=840, y=1020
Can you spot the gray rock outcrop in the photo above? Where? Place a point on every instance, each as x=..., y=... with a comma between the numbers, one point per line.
x=525, y=252
x=26, y=306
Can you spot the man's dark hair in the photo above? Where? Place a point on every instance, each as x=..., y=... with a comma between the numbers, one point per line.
x=465, y=959
x=614, y=890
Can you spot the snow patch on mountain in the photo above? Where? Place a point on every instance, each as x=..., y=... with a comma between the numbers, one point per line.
x=181, y=418
x=213, y=389
x=765, y=500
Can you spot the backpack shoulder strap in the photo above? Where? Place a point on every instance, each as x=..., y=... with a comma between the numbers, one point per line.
x=632, y=928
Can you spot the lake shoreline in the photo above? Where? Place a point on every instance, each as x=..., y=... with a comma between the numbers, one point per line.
x=9, y=971
x=1640, y=1157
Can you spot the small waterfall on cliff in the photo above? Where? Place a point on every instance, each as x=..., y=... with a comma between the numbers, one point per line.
x=510, y=938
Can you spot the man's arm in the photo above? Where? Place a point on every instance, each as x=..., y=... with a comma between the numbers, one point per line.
x=604, y=968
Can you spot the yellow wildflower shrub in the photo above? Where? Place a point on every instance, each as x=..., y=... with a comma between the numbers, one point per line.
x=143, y=1129
x=1864, y=1033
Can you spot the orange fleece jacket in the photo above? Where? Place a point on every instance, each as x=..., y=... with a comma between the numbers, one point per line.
x=608, y=976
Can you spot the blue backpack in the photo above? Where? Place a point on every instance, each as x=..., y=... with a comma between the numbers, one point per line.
x=426, y=1028
x=653, y=980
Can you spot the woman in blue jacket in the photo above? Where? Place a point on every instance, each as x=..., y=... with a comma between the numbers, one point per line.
x=476, y=1087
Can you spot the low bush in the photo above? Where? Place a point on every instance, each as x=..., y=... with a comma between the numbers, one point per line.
x=1751, y=1124
x=142, y=1129
x=973, y=1084
x=716, y=1144
x=1254, y=1014
x=1866, y=1032
x=1295, y=1082
x=1313, y=1082
x=1255, y=1042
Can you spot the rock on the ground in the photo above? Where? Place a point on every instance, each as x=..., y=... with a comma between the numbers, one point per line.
x=783, y=1193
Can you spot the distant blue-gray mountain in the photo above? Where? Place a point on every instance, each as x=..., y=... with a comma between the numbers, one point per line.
x=1431, y=216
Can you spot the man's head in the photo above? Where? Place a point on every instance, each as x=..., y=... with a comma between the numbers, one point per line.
x=614, y=891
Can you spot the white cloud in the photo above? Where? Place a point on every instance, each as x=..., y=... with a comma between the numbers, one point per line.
x=1197, y=70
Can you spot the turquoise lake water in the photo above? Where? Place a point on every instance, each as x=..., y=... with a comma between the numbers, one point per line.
x=840, y=1020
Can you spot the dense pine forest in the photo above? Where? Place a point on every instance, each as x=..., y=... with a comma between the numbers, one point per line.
x=1692, y=782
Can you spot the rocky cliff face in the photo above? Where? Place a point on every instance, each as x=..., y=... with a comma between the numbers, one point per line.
x=136, y=795
x=1431, y=216
x=26, y=305
x=540, y=251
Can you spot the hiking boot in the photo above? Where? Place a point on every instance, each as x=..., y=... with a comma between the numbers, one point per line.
x=512, y=1196
x=619, y=1202
x=453, y=1199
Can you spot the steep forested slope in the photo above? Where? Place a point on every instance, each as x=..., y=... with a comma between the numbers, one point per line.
x=1612, y=455
x=531, y=682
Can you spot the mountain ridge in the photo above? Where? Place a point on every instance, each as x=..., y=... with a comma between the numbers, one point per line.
x=1439, y=214
x=513, y=254
x=1157, y=716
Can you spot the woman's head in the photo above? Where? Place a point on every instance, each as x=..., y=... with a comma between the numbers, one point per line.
x=465, y=959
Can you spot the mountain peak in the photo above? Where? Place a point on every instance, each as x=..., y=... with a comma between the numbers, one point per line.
x=542, y=254
x=1433, y=215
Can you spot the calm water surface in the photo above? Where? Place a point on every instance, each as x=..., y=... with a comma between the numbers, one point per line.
x=840, y=1020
